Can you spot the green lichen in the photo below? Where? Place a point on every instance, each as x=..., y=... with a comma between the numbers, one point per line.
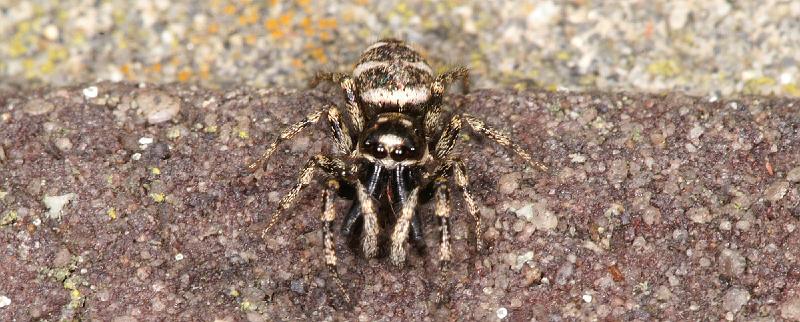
x=664, y=67
x=9, y=218
x=158, y=197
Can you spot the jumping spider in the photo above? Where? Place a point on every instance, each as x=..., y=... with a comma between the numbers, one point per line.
x=393, y=147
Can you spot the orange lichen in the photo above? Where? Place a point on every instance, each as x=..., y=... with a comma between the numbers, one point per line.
x=318, y=54
x=184, y=75
x=213, y=28
x=229, y=9
x=327, y=23
x=125, y=69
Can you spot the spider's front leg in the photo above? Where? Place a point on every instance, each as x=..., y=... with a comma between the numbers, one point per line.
x=328, y=215
x=334, y=167
x=337, y=128
x=349, y=88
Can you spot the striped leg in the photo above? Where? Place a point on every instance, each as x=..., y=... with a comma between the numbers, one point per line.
x=400, y=233
x=460, y=174
x=332, y=166
x=442, y=210
x=328, y=215
x=286, y=134
x=502, y=139
x=452, y=75
x=337, y=128
x=448, y=138
x=349, y=88
x=339, y=131
x=369, y=211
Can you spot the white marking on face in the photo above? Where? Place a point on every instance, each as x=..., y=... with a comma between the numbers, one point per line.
x=390, y=141
x=398, y=117
x=401, y=97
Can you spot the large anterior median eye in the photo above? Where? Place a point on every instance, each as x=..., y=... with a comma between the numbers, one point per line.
x=399, y=154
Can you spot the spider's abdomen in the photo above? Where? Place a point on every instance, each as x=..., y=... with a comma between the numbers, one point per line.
x=391, y=76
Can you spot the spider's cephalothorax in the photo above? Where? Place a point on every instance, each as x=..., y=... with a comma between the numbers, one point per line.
x=393, y=147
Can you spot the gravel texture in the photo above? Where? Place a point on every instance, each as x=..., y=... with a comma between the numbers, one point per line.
x=715, y=47
x=661, y=207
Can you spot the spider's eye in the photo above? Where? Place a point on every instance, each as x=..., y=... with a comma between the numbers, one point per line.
x=379, y=152
x=399, y=154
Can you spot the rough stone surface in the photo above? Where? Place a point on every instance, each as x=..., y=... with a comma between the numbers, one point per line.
x=157, y=106
x=734, y=299
x=137, y=207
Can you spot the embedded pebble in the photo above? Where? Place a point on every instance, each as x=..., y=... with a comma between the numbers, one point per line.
x=502, y=313
x=63, y=144
x=538, y=215
x=62, y=258
x=734, y=299
x=776, y=191
x=696, y=132
x=790, y=309
x=793, y=175
x=90, y=92
x=700, y=215
x=157, y=106
x=577, y=158
x=508, y=183
x=55, y=204
x=731, y=263
x=522, y=260
x=38, y=107
x=4, y=301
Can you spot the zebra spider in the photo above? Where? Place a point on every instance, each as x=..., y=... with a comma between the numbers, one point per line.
x=393, y=148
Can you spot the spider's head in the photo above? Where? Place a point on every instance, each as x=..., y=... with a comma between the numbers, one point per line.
x=393, y=140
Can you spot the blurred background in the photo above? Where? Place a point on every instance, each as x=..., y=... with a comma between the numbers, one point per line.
x=710, y=47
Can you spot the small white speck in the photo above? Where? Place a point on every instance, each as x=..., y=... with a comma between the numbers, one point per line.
x=502, y=313
x=4, y=301
x=587, y=298
x=577, y=158
x=37, y=221
x=145, y=140
x=136, y=156
x=178, y=256
x=90, y=92
x=787, y=78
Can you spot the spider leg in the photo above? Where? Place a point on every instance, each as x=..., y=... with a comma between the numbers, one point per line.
x=369, y=212
x=460, y=174
x=339, y=131
x=374, y=188
x=433, y=114
x=322, y=76
x=442, y=211
x=337, y=128
x=448, y=138
x=502, y=139
x=401, y=228
x=349, y=88
x=462, y=182
x=328, y=215
x=332, y=166
x=404, y=179
x=454, y=74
